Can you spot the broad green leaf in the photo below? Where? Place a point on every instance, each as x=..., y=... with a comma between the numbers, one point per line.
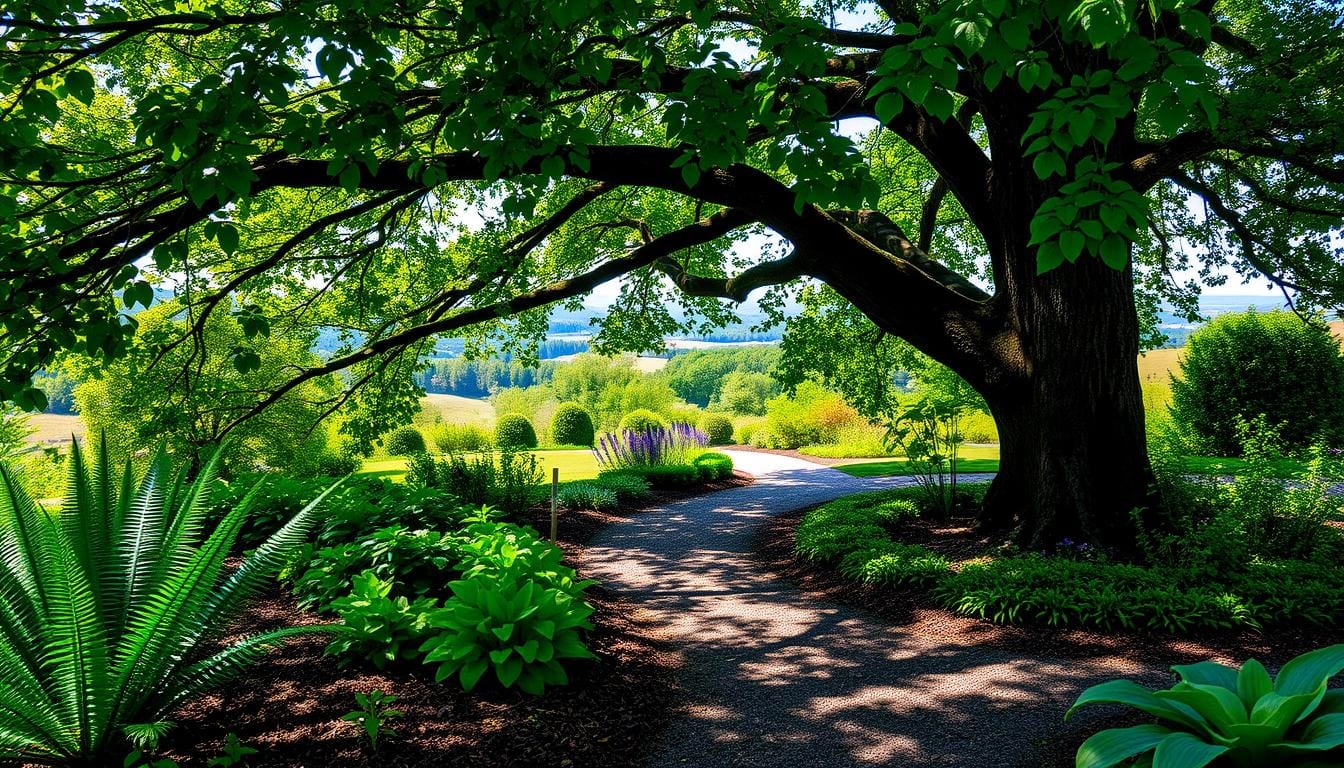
x=1114, y=746
x=1309, y=671
x=1182, y=750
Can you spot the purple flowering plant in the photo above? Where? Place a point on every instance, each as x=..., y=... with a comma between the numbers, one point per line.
x=651, y=447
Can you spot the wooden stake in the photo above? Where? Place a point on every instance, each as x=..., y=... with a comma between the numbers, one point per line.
x=555, y=492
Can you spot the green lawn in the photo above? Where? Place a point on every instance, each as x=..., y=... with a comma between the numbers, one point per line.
x=1222, y=465
x=974, y=458
x=573, y=465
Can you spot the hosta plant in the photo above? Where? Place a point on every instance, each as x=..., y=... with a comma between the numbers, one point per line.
x=382, y=628
x=107, y=607
x=518, y=627
x=1219, y=716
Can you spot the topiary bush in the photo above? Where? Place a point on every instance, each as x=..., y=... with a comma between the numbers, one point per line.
x=404, y=441
x=718, y=427
x=640, y=420
x=667, y=476
x=572, y=425
x=713, y=465
x=513, y=430
x=1245, y=364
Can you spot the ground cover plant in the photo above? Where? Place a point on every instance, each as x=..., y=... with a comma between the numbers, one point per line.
x=1220, y=716
x=1232, y=569
x=108, y=604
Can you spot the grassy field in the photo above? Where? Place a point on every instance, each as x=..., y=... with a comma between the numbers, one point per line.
x=461, y=410
x=54, y=428
x=1156, y=365
x=573, y=465
x=974, y=458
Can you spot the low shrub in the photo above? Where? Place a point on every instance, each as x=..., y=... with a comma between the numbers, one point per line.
x=364, y=505
x=641, y=420
x=414, y=560
x=1110, y=596
x=1217, y=715
x=507, y=480
x=747, y=429
x=856, y=441
x=713, y=465
x=404, y=441
x=979, y=427
x=667, y=476
x=514, y=431
x=572, y=425
x=894, y=564
x=812, y=415
x=459, y=438
x=626, y=486
x=586, y=495
x=338, y=464
x=718, y=428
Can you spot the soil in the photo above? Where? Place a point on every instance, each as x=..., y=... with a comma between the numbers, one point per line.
x=289, y=706
x=917, y=613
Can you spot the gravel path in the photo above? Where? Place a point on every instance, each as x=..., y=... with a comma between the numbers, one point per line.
x=774, y=678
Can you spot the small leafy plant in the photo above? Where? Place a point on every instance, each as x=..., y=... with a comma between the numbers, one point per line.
x=375, y=710
x=518, y=627
x=234, y=753
x=1220, y=716
x=382, y=629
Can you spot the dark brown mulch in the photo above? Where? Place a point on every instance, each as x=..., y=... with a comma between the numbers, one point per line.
x=917, y=613
x=289, y=706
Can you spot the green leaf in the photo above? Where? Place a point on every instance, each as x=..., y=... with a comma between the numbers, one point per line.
x=1116, y=745
x=1182, y=750
x=1048, y=257
x=79, y=84
x=1309, y=671
x=1071, y=244
x=227, y=235
x=1253, y=682
x=1048, y=164
x=1132, y=694
x=1322, y=733
x=1114, y=252
x=888, y=107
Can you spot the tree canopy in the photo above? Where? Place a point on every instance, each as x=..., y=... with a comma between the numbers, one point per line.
x=990, y=180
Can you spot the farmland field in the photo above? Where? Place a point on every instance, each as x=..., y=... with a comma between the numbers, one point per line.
x=54, y=428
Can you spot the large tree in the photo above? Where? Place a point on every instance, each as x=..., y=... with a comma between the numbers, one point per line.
x=401, y=169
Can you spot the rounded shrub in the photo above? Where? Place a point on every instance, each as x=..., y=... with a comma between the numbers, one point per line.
x=718, y=427
x=572, y=425
x=641, y=419
x=1245, y=364
x=403, y=441
x=713, y=465
x=513, y=430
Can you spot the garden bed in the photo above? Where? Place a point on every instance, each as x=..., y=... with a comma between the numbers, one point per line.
x=290, y=705
x=918, y=610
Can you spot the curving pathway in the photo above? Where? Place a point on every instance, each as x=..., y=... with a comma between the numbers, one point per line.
x=775, y=678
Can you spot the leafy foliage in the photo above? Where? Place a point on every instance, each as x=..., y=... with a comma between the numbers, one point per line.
x=459, y=438
x=572, y=425
x=514, y=431
x=380, y=629
x=507, y=480
x=718, y=428
x=1244, y=365
x=1220, y=715
x=404, y=441
x=641, y=420
x=109, y=605
x=587, y=495
x=713, y=465
x=374, y=715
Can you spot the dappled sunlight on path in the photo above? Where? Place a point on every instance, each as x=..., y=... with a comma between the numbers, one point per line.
x=774, y=678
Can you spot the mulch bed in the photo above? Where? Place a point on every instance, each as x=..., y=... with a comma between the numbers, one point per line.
x=289, y=706
x=919, y=614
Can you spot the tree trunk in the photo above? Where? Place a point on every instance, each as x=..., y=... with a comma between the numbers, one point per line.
x=1074, y=457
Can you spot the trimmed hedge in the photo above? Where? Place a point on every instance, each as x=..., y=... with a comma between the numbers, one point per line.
x=572, y=425
x=513, y=430
x=404, y=441
x=713, y=465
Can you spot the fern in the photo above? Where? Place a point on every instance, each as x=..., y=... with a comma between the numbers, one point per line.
x=105, y=607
